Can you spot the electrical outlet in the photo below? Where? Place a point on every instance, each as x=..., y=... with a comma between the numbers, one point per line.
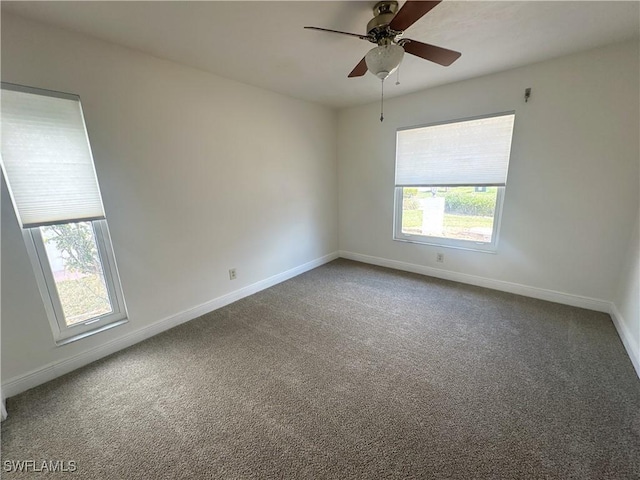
x=440, y=257
x=232, y=274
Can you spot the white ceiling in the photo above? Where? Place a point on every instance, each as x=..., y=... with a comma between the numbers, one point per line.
x=263, y=43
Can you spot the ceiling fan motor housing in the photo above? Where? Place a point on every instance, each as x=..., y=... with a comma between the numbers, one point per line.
x=378, y=26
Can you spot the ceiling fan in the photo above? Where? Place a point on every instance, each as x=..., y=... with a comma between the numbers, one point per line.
x=386, y=29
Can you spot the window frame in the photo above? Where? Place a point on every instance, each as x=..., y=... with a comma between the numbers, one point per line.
x=63, y=333
x=36, y=250
x=486, y=247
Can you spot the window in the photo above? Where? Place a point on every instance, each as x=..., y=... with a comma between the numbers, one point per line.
x=450, y=182
x=47, y=164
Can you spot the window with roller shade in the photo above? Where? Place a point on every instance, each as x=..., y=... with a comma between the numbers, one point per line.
x=450, y=181
x=49, y=171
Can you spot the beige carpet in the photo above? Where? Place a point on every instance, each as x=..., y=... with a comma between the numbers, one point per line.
x=349, y=371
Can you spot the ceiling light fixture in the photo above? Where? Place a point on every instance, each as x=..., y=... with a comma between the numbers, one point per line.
x=382, y=61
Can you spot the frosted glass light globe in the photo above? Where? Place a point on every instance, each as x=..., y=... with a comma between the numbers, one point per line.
x=383, y=60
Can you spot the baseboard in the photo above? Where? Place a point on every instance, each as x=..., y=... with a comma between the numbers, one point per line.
x=630, y=344
x=53, y=370
x=517, y=288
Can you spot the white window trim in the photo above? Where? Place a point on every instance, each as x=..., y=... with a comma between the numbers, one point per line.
x=485, y=247
x=62, y=333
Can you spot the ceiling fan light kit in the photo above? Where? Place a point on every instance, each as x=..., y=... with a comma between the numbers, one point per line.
x=382, y=61
x=386, y=29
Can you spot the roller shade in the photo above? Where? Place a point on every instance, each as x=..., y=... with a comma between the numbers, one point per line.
x=46, y=157
x=468, y=152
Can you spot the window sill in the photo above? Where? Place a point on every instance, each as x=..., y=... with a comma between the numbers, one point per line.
x=471, y=247
x=64, y=341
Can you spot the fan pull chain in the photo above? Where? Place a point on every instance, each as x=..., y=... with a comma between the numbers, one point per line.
x=398, y=76
x=382, y=102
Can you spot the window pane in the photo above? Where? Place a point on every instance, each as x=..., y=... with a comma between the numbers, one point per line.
x=462, y=213
x=77, y=271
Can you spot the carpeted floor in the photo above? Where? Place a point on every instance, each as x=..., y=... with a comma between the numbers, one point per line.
x=349, y=371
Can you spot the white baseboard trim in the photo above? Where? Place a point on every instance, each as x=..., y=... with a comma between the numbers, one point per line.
x=21, y=383
x=517, y=288
x=630, y=344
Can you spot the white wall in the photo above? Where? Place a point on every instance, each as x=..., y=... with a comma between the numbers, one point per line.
x=572, y=192
x=199, y=174
x=627, y=300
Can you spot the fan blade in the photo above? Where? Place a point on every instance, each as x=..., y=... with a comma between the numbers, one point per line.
x=410, y=13
x=439, y=55
x=360, y=69
x=362, y=37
